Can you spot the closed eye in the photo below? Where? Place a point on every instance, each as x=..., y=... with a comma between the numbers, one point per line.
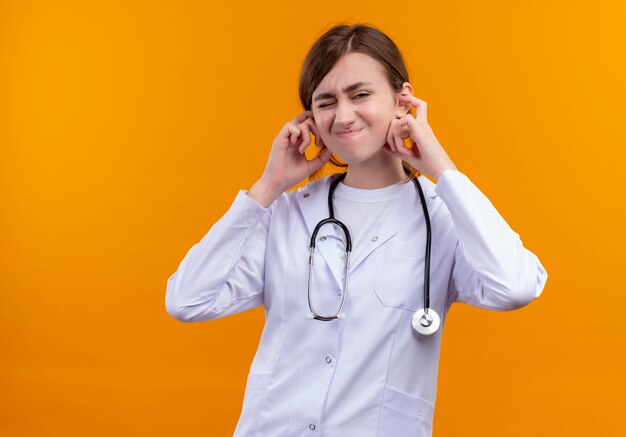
x=359, y=95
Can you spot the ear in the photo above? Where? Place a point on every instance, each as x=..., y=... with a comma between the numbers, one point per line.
x=403, y=108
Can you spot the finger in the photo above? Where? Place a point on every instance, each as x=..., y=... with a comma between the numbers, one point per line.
x=306, y=137
x=399, y=143
x=301, y=117
x=420, y=107
x=420, y=112
x=404, y=129
x=418, y=155
x=294, y=133
x=310, y=123
x=318, y=139
x=390, y=140
x=318, y=162
x=412, y=126
x=319, y=142
x=298, y=120
x=287, y=131
x=299, y=132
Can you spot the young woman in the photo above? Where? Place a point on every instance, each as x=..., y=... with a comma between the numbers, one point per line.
x=354, y=306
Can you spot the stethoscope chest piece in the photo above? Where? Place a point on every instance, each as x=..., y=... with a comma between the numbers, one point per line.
x=426, y=323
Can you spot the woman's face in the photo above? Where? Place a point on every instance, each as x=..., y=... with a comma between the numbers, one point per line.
x=353, y=106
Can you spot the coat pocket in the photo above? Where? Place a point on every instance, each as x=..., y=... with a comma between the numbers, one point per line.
x=256, y=386
x=399, y=279
x=403, y=414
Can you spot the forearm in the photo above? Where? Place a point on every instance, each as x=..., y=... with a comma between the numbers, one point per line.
x=223, y=272
x=493, y=268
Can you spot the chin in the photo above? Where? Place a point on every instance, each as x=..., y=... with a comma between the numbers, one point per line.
x=358, y=156
x=354, y=151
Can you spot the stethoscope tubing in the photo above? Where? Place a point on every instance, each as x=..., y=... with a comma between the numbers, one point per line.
x=428, y=239
x=332, y=220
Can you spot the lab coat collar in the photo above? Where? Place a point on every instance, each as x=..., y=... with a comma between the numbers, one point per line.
x=313, y=202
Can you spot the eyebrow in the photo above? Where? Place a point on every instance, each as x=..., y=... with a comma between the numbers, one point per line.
x=345, y=90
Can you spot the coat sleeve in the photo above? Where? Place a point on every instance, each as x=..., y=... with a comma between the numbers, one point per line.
x=491, y=268
x=223, y=274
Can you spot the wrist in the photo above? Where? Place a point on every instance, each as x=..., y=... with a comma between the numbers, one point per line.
x=437, y=173
x=264, y=193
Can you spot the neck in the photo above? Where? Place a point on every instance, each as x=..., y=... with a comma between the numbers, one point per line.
x=380, y=171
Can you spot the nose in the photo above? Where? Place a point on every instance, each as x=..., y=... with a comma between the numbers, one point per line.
x=344, y=115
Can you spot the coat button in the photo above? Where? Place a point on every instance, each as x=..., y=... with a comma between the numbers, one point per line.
x=339, y=292
x=374, y=239
x=306, y=195
x=311, y=426
x=322, y=238
x=328, y=359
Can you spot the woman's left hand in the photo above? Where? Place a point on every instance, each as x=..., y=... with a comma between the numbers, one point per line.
x=425, y=153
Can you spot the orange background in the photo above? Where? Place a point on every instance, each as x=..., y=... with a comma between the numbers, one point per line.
x=127, y=127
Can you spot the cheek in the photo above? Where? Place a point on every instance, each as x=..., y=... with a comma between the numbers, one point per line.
x=321, y=117
x=377, y=116
x=323, y=123
x=378, y=120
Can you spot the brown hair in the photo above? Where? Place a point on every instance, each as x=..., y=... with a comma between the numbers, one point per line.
x=335, y=43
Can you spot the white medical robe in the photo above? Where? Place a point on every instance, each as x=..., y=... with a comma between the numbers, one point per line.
x=370, y=374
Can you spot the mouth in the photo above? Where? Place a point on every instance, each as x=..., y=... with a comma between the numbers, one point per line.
x=349, y=134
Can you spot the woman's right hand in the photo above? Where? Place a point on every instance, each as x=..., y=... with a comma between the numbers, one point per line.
x=287, y=164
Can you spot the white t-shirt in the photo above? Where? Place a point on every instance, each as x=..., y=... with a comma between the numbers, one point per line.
x=362, y=211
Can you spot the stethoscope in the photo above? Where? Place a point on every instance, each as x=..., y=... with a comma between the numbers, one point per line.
x=425, y=320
